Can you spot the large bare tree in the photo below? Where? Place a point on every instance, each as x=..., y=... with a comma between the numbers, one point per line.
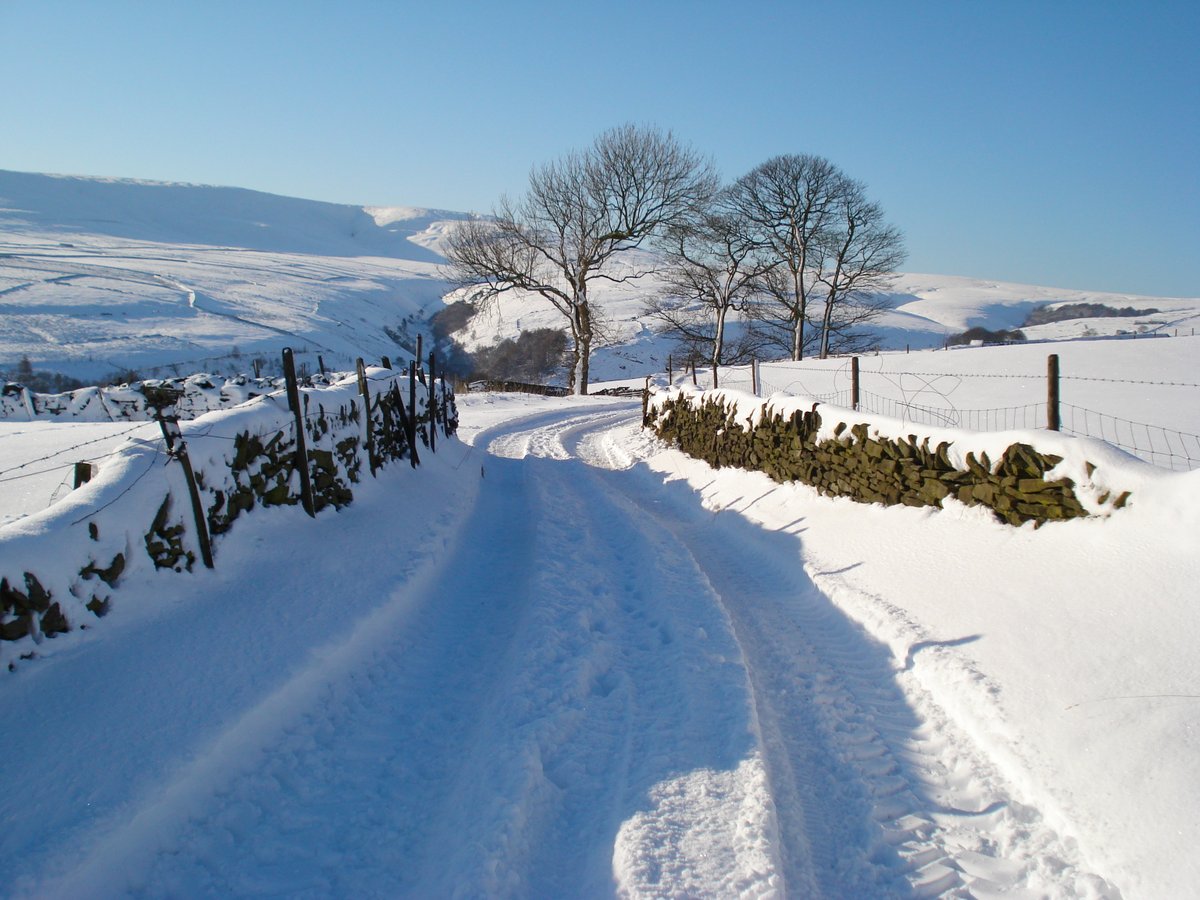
x=791, y=199
x=716, y=262
x=832, y=245
x=579, y=214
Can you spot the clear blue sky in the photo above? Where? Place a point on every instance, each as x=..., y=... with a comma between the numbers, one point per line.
x=1052, y=142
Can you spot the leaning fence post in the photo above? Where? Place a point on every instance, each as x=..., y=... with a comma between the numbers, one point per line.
x=1052, y=412
x=366, y=395
x=293, y=395
x=695, y=383
x=433, y=403
x=854, y=382
x=386, y=363
x=321, y=363
x=406, y=424
x=171, y=433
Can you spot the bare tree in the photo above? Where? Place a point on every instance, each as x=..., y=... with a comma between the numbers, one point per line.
x=790, y=199
x=861, y=255
x=715, y=266
x=833, y=246
x=579, y=213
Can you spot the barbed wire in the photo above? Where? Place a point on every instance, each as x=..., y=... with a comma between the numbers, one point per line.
x=1155, y=444
x=129, y=488
x=273, y=397
x=107, y=437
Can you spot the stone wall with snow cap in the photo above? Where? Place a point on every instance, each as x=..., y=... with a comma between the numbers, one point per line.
x=1021, y=476
x=61, y=569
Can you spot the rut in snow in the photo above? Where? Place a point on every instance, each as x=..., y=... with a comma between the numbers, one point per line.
x=605, y=688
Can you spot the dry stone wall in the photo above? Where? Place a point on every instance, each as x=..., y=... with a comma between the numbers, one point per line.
x=852, y=462
x=253, y=467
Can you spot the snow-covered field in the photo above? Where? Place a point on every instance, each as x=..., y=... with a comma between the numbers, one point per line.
x=561, y=660
x=99, y=277
x=1141, y=395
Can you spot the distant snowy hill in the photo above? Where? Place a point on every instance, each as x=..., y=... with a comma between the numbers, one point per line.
x=100, y=276
x=213, y=216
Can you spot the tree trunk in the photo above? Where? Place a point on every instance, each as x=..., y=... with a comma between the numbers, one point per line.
x=718, y=343
x=801, y=315
x=826, y=323
x=583, y=347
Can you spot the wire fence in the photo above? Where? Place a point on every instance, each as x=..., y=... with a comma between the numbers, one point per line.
x=52, y=465
x=1165, y=447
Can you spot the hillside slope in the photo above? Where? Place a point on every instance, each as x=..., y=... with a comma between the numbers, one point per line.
x=98, y=276
x=101, y=276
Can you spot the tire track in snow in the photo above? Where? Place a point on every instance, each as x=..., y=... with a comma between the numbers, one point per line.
x=841, y=734
x=606, y=689
x=552, y=694
x=347, y=803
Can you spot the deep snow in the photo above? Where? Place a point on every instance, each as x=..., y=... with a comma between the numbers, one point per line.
x=561, y=659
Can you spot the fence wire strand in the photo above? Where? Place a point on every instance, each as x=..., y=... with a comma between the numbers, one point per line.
x=1160, y=446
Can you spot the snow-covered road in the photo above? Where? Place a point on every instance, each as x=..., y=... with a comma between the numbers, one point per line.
x=574, y=680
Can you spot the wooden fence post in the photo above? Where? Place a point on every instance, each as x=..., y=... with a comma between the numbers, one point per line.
x=366, y=395
x=695, y=383
x=321, y=363
x=1052, y=412
x=442, y=407
x=419, y=350
x=386, y=363
x=754, y=385
x=293, y=395
x=405, y=423
x=433, y=403
x=669, y=381
x=171, y=433
x=412, y=404
x=83, y=474
x=854, y=382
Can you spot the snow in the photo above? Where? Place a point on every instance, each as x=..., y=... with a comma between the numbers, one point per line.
x=560, y=658
x=921, y=311
x=40, y=456
x=101, y=275
x=98, y=277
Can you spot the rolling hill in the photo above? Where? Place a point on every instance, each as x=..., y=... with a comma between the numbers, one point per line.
x=102, y=276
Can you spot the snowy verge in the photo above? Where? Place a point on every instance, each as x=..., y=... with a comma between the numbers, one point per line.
x=1066, y=652
x=61, y=567
x=1022, y=475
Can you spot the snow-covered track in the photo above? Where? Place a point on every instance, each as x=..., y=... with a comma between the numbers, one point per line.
x=580, y=681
